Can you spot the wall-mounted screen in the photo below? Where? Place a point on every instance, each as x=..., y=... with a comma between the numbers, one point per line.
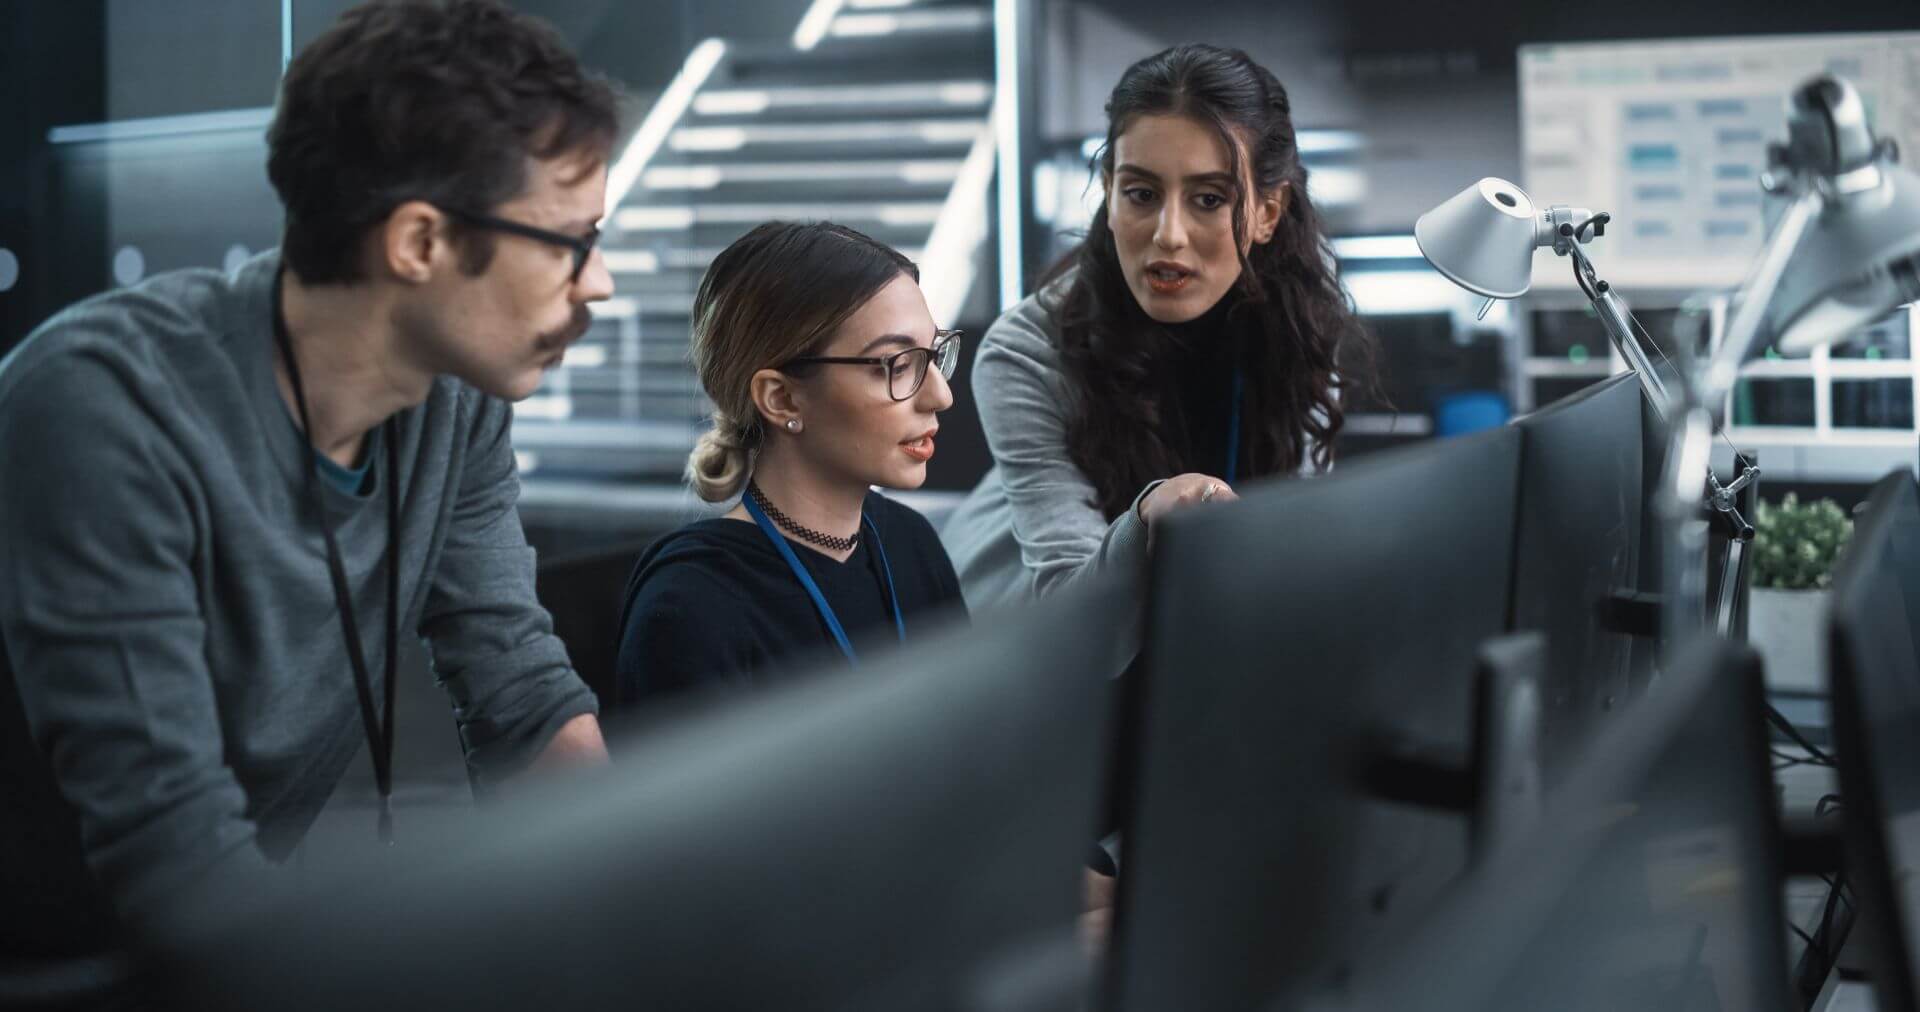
x=1671, y=136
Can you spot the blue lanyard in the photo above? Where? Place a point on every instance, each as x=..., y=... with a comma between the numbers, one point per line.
x=1233, y=431
x=813, y=589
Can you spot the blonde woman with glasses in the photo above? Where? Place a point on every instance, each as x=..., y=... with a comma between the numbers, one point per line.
x=827, y=376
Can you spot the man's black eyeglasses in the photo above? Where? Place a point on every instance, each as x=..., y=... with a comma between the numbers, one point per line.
x=906, y=370
x=582, y=247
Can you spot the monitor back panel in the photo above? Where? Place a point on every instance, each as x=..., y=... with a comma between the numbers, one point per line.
x=1875, y=669
x=1577, y=542
x=1295, y=635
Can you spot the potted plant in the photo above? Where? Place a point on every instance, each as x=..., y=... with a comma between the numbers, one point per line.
x=1794, y=548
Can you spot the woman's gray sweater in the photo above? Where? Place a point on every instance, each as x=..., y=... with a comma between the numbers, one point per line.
x=1030, y=527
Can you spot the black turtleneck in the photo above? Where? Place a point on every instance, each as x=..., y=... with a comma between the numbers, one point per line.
x=1203, y=389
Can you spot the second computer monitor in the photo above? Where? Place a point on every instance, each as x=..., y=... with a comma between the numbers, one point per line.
x=1652, y=882
x=1577, y=543
x=1296, y=640
x=1875, y=670
x=910, y=835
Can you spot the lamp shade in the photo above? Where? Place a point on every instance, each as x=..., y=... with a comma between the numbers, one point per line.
x=1856, y=262
x=1482, y=239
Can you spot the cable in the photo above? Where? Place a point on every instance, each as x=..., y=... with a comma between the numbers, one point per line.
x=1646, y=337
x=1580, y=277
x=1657, y=350
x=1785, y=726
x=1788, y=760
x=1599, y=219
x=1826, y=918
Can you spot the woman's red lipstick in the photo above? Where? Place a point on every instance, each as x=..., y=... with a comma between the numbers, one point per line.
x=920, y=447
x=1167, y=277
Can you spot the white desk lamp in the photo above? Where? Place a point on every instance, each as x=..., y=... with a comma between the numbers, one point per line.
x=1483, y=239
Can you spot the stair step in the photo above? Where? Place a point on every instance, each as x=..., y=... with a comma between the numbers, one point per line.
x=866, y=24
x=631, y=261
x=649, y=286
x=686, y=393
x=683, y=260
x=826, y=20
x=681, y=179
x=945, y=132
x=596, y=434
x=837, y=61
x=610, y=382
x=625, y=307
x=899, y=214
x=596, y=350
x=788, y=99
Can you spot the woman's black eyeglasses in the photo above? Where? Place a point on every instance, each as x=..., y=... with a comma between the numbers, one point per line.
x=582, y=247
x=906, y=370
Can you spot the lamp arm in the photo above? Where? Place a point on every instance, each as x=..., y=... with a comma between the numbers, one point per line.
x=1729, y=588
x=1723, y=369
x=1691, y=427
x=1614, y=320
x=1613, y=316
x=1683, y=553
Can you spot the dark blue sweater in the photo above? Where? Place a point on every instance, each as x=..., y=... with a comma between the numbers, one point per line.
x=713, y=605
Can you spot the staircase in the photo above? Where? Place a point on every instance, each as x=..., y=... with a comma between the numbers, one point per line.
x=876, y=116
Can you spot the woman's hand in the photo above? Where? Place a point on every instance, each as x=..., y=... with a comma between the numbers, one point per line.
x=1096, y=922
x=1180, y=492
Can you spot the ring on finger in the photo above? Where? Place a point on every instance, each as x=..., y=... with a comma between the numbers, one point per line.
x=1206, y=494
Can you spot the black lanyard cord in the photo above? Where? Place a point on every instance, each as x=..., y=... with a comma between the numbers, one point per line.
x=379, y=728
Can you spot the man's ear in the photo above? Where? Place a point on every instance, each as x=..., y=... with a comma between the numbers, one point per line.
x=413, y=242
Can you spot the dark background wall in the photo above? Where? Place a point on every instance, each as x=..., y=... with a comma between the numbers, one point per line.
x=50, y=73
x=1431, y=86
x=65, y=210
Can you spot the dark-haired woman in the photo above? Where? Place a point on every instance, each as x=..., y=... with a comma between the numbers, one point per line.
x=1186, y=345
x=826, y=373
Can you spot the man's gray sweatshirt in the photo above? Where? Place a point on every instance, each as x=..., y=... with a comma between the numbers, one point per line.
x=180, y=704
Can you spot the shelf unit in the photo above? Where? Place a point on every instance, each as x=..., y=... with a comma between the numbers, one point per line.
x=1844, y=413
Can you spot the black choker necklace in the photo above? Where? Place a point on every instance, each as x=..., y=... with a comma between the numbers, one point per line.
x=806, y=534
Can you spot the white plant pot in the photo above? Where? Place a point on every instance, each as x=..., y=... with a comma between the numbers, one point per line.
x=1788, y=628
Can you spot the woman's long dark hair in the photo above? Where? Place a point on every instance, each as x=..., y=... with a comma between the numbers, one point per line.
x=1287, y=301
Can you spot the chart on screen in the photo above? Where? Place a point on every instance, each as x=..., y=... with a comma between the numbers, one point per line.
x=1670, y=137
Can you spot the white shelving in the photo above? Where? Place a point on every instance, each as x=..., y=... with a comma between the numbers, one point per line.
x=1824, y=451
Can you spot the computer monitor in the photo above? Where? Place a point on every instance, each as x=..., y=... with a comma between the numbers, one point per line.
x=1295, y=639
x=1671, y=136
x=1652, y=882
x=1875, y=679
x=909, y=835
x=1576, y=544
